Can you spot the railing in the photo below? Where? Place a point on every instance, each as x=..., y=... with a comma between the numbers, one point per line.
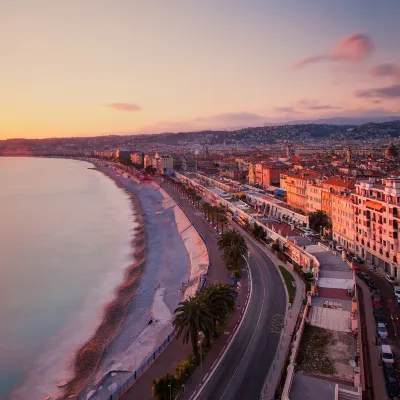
x=293, y=356
x=139, y=371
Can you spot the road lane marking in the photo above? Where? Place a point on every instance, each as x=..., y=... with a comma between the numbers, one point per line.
x=225, y=350
x=254, y=332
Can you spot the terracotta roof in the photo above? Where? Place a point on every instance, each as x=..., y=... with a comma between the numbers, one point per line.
x=348, y=183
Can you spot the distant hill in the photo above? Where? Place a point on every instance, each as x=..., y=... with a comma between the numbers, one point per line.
x=347, y=120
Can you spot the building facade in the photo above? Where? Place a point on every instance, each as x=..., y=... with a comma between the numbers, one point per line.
x=343, y=221
x=377, y=218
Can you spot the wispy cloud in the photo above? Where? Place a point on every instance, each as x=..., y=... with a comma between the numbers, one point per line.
x=291, y=110
x=386, y=92
x=301, y=106
x=352, y=48
x=127, y=107
x=385, y=69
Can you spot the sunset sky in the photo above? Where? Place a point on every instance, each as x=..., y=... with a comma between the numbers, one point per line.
x=75, y=68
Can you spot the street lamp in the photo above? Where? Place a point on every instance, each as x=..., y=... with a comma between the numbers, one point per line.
x=170, y=391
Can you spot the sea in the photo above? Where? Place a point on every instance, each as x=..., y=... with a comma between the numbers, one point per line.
x=65, y=242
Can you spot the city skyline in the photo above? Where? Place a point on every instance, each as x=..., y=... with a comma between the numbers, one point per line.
x=129, y=67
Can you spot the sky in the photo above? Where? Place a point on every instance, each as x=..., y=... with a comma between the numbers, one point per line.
x=97, y=67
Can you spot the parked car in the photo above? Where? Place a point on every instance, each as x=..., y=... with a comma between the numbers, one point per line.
x=383, y=341
x=389, y=370
x=392, y=386
x=386, y=354
x=358, y=260
x=382, y=331
x=390, y=279
x=376, y=298
x=377, y=306
x=391, y=304
x=339, y=248
x=396, y=289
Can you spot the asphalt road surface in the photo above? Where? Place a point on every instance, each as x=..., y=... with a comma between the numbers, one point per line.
x=242, y=372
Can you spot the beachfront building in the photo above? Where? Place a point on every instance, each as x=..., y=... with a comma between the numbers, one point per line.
x=377, y=216
x=164, y=162
x=137, y=158
x=343, y=220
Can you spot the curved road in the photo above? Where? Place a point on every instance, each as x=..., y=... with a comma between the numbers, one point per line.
x=243, y=370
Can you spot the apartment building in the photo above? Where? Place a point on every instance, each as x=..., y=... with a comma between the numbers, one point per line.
x=266, y=174
x=271, y=174
x=335, y=184
x=343, y=220
x=164, y=162
x=137, y=158
x=314, y=197
x=295, y=185
x=377, y=217
x=252, y=174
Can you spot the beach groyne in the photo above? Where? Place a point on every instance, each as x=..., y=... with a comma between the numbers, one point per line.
x=88, y=357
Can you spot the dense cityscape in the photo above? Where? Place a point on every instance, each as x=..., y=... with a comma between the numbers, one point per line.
x=328, y=212
x=200, y=200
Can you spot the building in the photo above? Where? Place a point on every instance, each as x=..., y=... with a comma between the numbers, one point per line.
x=391, y=152
x=343, y=221
x=335, y=184
x=314, y=197
x=271, y=174
x=377, y=217
x=252, y=173
x=164, y=162
x=137, y=158
x=189, y=164
x=295, y=185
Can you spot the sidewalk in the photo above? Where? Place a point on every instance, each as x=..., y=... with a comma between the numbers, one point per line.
x=176, y=351
x=378, y=381
x=276, y=371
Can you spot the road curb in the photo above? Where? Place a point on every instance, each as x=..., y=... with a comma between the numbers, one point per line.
x=228, y=346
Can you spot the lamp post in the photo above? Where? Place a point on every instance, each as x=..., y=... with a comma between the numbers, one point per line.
x=170, y=391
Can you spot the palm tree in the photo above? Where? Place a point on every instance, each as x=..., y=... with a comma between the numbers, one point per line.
x=233, y=247
x=191, y=317
x=220, y=298
x=223, y=220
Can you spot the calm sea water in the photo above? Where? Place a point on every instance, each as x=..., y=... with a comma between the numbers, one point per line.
x=65, y=234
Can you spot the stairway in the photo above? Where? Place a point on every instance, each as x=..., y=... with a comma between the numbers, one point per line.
x=343, y=394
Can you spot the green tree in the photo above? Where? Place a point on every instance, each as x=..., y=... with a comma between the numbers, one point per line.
x=150, y=170
x=319, y=219
x=191, y=317
x=233, y=247
x=162, y=387
x=220, y=298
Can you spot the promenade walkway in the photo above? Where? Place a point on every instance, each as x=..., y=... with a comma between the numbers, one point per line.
x=176, y=351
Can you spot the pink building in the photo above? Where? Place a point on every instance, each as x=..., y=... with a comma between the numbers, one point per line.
x=377, y=217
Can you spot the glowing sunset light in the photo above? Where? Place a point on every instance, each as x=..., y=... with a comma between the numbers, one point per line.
x=93, y=68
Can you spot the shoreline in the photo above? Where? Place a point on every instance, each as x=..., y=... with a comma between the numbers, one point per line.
x=89, y=356
x=88, y=372
x=116, y=368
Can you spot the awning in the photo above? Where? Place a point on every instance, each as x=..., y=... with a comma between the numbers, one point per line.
x=374, y=205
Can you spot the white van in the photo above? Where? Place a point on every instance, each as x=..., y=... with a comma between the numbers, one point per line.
x=386, y=354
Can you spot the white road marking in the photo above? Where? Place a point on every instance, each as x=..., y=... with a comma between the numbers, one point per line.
x=230, y=342
x=252, y=337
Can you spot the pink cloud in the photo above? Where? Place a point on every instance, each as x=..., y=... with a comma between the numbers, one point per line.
x=386, y=69
x=352, y=48
x=128, y=107
x=387, y=92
